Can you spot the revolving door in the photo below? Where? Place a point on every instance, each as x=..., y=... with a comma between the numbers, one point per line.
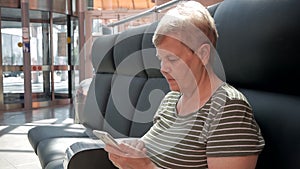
x=38, y=53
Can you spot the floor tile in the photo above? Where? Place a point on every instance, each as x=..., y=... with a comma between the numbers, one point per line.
x=15, y=149
x=4, y=164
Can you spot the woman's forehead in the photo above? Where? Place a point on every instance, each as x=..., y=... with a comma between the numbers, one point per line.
x=168, y=43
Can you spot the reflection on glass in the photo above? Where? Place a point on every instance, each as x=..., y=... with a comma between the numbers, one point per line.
x=75, y=41
x=12, y=58
x=11, y=53
x=75, y=53
x=37, y=81
x=39, y=53
x=61, y=82
x=76, y=72
x=13, y=84
x=60, y=39
x=17, y=53
x=6, y=48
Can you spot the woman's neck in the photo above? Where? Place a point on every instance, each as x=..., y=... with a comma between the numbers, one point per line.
x=195, y=98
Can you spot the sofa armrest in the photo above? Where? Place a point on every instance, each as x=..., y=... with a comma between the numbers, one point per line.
x=88, y=156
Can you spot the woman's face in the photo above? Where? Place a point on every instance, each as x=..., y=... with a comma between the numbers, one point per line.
x=179, y=65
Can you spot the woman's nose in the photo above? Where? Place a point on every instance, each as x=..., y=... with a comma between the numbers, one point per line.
x=164, y=66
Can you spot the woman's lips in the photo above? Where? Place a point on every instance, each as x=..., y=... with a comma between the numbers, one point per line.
x=171, y=80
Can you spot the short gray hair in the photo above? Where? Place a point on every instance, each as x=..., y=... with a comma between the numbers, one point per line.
x=190, y=22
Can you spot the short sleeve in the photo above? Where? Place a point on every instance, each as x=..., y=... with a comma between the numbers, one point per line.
x=234, y=131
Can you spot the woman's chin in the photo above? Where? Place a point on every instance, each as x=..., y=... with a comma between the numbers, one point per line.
x=174, y=88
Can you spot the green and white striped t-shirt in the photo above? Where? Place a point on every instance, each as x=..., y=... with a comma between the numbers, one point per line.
x=224, y=126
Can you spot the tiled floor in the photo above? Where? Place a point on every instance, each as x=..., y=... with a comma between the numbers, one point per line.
x=15, y=149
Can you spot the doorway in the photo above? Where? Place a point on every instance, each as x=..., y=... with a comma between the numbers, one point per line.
x=52, y=52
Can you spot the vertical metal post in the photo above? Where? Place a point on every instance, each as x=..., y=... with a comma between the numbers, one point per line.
x=1, y=67
x=52, y=57
x=82, y=39
x=46, y=53
x=26, y=54
x=70, y=58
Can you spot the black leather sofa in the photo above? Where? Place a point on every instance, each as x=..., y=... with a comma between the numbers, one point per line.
x=259, y=49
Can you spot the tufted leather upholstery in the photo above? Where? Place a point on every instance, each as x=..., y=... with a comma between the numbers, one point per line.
x=258, y=47
x=123, y=96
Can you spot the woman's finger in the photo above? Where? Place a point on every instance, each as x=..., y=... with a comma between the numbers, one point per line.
x=137, y=144
x=132, y=152
x=140, y=145
x=113, y=150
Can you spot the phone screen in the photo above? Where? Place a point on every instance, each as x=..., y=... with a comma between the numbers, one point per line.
x=106, y=138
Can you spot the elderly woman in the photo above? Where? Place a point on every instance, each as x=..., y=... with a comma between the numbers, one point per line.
x=203, y=122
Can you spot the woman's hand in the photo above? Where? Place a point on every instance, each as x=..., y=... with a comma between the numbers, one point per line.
x=132, y=155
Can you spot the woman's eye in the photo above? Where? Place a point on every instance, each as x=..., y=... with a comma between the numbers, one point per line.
x=173, y=58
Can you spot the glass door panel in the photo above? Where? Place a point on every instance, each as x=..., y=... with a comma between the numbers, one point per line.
x=60, y=55
x=40, y=55
x=74, y=32
x=12, y=57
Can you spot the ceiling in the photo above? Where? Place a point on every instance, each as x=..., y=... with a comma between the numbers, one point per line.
x=123, y=4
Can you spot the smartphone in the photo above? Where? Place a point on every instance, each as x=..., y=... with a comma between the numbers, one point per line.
x=106, y=138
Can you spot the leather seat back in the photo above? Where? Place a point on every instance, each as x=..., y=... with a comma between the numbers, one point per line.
x=259, y=49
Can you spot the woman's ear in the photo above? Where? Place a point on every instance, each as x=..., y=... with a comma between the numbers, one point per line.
x=204, y=53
